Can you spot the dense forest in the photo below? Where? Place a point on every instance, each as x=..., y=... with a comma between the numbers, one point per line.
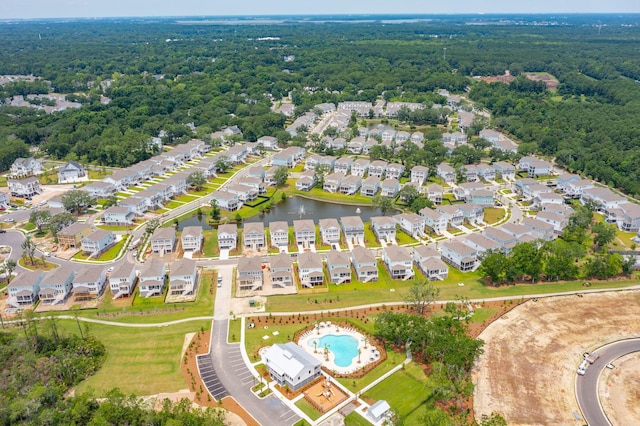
x=161, y=75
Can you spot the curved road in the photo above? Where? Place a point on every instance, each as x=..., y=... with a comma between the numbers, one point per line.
x=587, y=385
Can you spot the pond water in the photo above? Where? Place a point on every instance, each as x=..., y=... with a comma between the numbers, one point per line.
x=295, y=208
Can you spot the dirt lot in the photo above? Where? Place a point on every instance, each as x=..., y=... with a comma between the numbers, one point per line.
x=527, y=372
x=620, y=390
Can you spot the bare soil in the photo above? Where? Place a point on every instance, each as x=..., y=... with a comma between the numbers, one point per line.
x=620, y=391
x=528, y=369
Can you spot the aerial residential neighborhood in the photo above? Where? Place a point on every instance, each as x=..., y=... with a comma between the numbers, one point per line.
x=332, y=219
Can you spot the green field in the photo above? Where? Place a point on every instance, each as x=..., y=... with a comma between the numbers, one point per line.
x=493, y=215
x=393, y=360
x=355, y=419
x=306, y=407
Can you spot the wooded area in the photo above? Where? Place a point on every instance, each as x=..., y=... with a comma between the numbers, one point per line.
x=163, y=76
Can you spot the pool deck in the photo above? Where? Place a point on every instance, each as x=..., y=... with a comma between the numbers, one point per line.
x=368, y=353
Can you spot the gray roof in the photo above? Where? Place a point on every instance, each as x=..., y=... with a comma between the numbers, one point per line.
x=88, y=275
x=382, y=221
x=58, y=275
x=363, y=255
x=352, y=221
x=73, y=229
x=397, y=253
x=182, y=267
x=279, y=226
x=483, y=242
x=253, y=227
x=329, y=223
x=228, y=228
x=164, y=233
x=309, y=260
x=249, y=264
x=25, y=279
x=194, y=231
x=153, y=268
x=280, y=261
x=337, y=258
x=459, y=248
x=426, y=251
x=123, y=270
x=290, y=359
x=98, y=235
x=303, y=225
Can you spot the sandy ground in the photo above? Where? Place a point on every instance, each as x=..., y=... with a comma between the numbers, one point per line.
x=620, y=391
x=527, y=372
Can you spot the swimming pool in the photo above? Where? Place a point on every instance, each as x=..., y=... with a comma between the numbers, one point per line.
x=344, y=347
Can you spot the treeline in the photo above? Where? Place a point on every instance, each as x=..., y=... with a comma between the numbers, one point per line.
x=39, y=365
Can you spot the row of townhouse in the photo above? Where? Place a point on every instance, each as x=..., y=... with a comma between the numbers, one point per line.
x=164, y=240
x=616, y=208
x=58, y=285
x=25, y=167
x=437, y=220
x=475, y=192
x=498, y=140
x=535, y=167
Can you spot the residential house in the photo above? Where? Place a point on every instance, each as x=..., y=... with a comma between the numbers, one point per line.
x=228, y=236
x=368, y=144
x=463, y=191
x=24, y=188
x=490, y=135
x=136, y=204
x=558, y=221
x=629, y=219
x=152, y=278
x=291, y=366
x=24, y=288
x=281, y=270
x=226, y=200
x=378, y=412
x=360, y=167
x=312, y=162
x=327, y=162
x=603, y=198
x=279, y=233
x=384, y=228
x=507, y=241
x=543, y=198
x=310, y=269
x=100, y=189
x=505, y=170
x=244, y=193
x=353, y=229
x=250, y=276
x=26, y=167
x=163, y=240
x=4, y=200
x=535, y=167
x=332, y=182
x=564, y=179
x=355, y=145
x=419, y=174
x=183, y=277
x=576, y=188
x=364, y=264
x=71, y=172
x=306, y=181
x=417, y=137
x=268, y=142
x=377, y=168
x=446, y=173
x=389, y=187
x=435, y=193
x=72, y=235
x=482, y=197
x=453, y=214
x=480, y=244
x=428, y=261
x=191, y=239
x=540, y=230
x=330, y=231
x=394, y=171
x=486, y=172
x=339, y=267
x=256, y=172
x=122, y=280
x=89, y=283
x=411, y=223
x=56, y=285
x=521, y=186
x=350, y=185
x=470, y=172
x=435, y=221
x=506, y=145
x=304, y=232
x=459, y=255
x=343, y=165
x=472, y=213
x=253, y=236
x=118, y=216
x=98, y=241
x=399, y=262
x=370, y=186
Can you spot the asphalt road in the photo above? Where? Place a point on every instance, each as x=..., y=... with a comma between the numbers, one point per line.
x=587, y=385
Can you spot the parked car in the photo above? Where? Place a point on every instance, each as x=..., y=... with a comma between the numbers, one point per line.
x=9, y=219
x=219, y=280
x=47, y=254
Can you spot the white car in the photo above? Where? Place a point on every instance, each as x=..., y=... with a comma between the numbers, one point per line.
x=9, y=219
x=583, y=367
x=110, y=269
x=47, y=254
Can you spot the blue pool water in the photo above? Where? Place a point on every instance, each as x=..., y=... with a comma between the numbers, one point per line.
x=345, y=348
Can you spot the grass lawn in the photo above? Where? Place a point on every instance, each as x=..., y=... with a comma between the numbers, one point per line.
x=173, y=204
x=626, y=238
x=393, y=359
x=482, y=314
x=46, y=266
x=97, y=174
x=235, y=329
x=306, y=407
x=115, y=228
x=210, y=246
x=186, y=198
x=28, y=226
x=355, y=419
x=3, y=181
x=408, y=392
x=319, y=194
x=254, y=337
x=369, y=237
x=404, y=238
x=492, y=215
x=110, y=254
x=142, y=361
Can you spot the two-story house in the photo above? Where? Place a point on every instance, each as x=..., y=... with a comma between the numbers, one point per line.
x=350, y=185
x=228, y=236
x=446, y=173
x=97, y=242
x=192, y=238
x=152, y=278
x=183, y=277
x=419, y=174
x=163, y=240
x=360, y=167
x=384, y=228
x=281, y=271
x=435, y=221
x=370, y=186
x=122, y=280
x=389, y=187
x=24, y=188
x=250, y=275
x=364, y=264
x=279, y=234
x=71, y=172
x=330, y=231
x=304, y=231
x=24, y=288
x=353, y=229
x=56, y=285
x=399, y=262
x=339, y=267
x=428, y=261
x=435, y=193
x=310, y=269
x=411, y=223
x=291, y=366
x=459, y=255
x=72, y=235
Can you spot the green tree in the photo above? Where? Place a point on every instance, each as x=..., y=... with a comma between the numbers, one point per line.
x=420, y=203
x=59, y=221
x=527, y=260
x=497, y=267
x=76, y=200
x=215, y=210
x=421, y=295
x=29, y=248
x=383, y=203
x=9, y=266
x=319, y=172
x=409, y=194
x=40, y=218
x=223, y=164
x=603, y=234
x=111, y=200
x=280, y=176
x=196, y=180
x=151, y=225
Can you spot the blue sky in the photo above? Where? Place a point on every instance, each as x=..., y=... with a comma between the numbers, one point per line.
x=102, y=8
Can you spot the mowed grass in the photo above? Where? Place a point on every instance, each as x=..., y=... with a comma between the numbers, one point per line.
x=407, y=391
x=142, y=361
x=306, y=407
x=355, y=419
x=393, y=360
x=493, y=215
